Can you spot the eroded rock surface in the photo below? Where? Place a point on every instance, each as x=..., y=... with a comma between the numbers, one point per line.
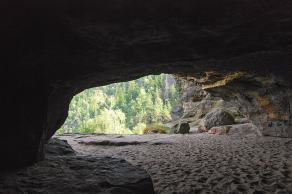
x=64, y=172
x=263, y=102
x=216, y=118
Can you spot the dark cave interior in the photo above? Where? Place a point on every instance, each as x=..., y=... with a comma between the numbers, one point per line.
x=56, y=49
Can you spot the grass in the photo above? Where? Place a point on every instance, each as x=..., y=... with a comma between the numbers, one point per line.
x=156, y=128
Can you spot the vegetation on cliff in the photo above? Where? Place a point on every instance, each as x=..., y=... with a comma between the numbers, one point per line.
x=123, y=108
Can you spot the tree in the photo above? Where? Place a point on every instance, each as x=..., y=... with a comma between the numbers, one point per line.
x=122, y=107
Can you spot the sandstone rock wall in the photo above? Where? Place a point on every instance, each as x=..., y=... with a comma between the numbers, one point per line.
x=263, y=101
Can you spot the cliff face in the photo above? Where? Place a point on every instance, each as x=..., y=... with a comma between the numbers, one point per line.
x=265, y=101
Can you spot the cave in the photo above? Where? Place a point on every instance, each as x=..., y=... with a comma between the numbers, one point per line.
x=238, y=50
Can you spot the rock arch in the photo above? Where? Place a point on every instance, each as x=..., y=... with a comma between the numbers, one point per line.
x=55, y=49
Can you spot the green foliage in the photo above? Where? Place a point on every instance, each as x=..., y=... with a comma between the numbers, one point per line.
x=156, y=128
x=122, y=108
x=139, y=128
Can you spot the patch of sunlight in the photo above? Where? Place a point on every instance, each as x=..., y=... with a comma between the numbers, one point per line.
x=123, y=108
x=228, y=78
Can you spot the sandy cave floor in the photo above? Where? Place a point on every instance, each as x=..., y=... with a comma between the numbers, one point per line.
x=200, y=163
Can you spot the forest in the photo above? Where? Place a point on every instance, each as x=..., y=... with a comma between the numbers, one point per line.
x=123, y=108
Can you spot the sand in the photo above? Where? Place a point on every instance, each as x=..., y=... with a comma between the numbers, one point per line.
x=200, y=163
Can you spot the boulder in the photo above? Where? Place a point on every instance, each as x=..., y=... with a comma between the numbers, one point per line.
x=243, y=130
x=246, y=129
x=202, y=129
x=220, y=130
x=183, y=128
x=218, y=117
x=58, y=147
x=64, y=172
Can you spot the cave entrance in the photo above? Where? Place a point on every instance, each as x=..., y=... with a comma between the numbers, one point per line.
x=139, y=106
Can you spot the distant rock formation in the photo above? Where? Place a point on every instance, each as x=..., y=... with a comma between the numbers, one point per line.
x=219, y=99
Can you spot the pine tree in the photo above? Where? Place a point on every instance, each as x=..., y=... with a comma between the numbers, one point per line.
x=121, y=107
